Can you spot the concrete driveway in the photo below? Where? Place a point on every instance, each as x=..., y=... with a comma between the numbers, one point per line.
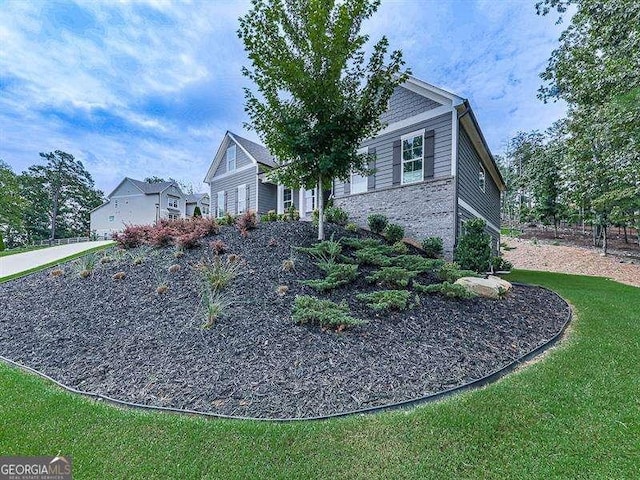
x=20, y=262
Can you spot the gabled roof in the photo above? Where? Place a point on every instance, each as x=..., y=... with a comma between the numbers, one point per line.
x=196, y=197
x=146, y=187
x=258, y=154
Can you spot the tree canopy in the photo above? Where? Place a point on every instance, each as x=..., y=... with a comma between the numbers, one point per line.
x=317, y=97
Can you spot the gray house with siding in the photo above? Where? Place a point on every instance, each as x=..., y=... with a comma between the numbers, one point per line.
x=432, y=171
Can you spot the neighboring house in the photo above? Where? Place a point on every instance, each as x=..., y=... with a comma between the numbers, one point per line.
x=432, y=171
x=134, y=202
x=197, y=200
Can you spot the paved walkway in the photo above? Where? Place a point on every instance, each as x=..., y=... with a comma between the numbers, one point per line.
x=24, y=261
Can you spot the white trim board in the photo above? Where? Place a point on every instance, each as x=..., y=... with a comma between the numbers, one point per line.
x=228, y=174
x=474, y=212
x=454, y=142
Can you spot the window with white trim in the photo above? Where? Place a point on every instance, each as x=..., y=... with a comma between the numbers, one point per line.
x=172, y=202
x=412, y=157
x=111, y=218
x=242, y=198
x=287, y=198
x=482, y=179
x=220, y=204
x=310, y=200
x=231, y=158
x=358, y=183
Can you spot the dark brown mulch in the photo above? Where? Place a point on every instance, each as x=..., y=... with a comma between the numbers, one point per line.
x=123, y=340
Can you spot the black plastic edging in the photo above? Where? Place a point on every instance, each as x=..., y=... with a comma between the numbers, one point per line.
x=489, y=378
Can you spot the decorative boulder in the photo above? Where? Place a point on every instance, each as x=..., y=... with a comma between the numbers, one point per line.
x=490, y=287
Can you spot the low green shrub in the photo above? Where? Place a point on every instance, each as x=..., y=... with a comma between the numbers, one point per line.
x=432, y=247
x=377, y=256
x=337, y=275
x=394, y=233
x=270, y=216
x=417, y=263
x=450, y=272
x=385, y=300
x=450, y=290
x=291, y=215
x=326, y=250
x=336, y=215
x=359, y=243
x=392, y=276
x=351, y=227
x=400, y=248
x=377, y=222
x=499, y=264
x=308, y=309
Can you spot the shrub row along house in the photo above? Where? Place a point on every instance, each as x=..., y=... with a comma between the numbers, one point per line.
x=134, y=202
x=432, y=171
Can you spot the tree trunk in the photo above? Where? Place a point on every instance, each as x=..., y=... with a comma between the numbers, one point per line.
x=626, y=239
x=54, y=216
x=320, y=209
x=604, y=239
x=555, y=227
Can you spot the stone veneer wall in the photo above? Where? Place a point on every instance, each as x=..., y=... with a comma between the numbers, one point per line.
x=424, y=209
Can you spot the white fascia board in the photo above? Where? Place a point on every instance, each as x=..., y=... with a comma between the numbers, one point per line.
x=474, y=212
x=454, y=142
x=228, y=174
x=216, y=159
x=437, y=94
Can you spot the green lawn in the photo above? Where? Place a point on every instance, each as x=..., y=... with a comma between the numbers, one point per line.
x=13, y=251
x=576, y=414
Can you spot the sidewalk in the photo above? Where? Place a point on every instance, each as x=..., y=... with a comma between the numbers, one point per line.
x=20, y=262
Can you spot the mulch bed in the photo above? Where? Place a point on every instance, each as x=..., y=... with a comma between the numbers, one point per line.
x=123, y=340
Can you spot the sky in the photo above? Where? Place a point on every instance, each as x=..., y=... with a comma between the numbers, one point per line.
x=143, y=88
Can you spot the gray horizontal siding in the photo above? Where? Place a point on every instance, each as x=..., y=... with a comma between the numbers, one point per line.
x=487, y=203
x=230, y=185
x=384, y=151
x=267, y=197
x=242, y=160
x=404, y=104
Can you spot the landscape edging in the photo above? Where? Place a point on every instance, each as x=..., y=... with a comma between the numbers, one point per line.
x=489, y=378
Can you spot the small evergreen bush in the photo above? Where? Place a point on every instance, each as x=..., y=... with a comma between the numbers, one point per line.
x=377, y=256
x=377, y=222
x=385, y=300
x=432, y=247
x=351, y=227
x=417, y=263
x=450, y=272
x=474, y=247
x=336, y=215
x=197, y=212
x=394, y=277
x=394, y=233
x=308, y=309
x=450, y=290
x=360, y=243
x=326, y=250
x=500, y=264
x=400, y=248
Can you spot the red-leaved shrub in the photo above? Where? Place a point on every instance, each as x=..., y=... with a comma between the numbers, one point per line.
x=218, y=246
x=247, y=221
x=133, y=236
x=189, y=240
x=184, y=232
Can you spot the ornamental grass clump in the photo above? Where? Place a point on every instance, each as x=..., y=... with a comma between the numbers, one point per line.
x=325, y=313
x=385, y=300
x=86, y=265
x=216, y=273
x=449, y=290
x=394, y=277
x=215, y=305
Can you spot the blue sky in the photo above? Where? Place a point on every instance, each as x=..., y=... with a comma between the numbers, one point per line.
x=146, y=88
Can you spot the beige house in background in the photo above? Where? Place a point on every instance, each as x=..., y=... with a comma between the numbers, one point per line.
x=134, y=202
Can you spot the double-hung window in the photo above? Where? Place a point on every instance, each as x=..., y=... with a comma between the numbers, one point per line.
x=231, y=158
x=412, y=157
x=310, y=200
x=172, y=202
x=242, y=198
x=220, y=204
x=359, y=182
x=287, y=199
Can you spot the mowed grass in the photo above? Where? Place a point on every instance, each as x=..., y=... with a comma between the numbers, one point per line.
x=13, y=251
x=573, y=414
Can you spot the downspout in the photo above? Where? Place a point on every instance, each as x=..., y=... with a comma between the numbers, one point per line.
x=456, y=232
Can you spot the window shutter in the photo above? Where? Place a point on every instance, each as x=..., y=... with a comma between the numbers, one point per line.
x=371, y=179
x=347, y=186
x=248, y=207
x=429, y=150
x=397, y=163
x=226, y=202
